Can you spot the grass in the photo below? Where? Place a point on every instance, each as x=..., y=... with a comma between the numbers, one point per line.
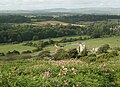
x=92, y=43
x=112, y=41
x=10, y=47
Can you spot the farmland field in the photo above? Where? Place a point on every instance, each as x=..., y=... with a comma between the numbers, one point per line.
x=10, y=47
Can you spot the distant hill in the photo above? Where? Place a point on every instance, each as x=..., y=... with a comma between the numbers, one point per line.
x=61, y=11
x=112, y=11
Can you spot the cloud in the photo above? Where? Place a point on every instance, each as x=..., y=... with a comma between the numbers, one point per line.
x=43, y=4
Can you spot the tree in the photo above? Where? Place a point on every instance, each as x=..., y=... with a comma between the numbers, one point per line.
x=35, y=37
x=19, y=38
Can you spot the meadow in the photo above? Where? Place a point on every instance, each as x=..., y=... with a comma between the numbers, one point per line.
x=91, y=43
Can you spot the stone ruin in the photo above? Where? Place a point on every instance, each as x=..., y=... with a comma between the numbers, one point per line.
x=81, y=48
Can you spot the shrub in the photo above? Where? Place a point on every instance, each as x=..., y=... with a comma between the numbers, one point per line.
x=2, y=54
x=37, y=49
x=13, y=52
x=73, y=53
x=26, y=52
x=103, y=49
x=117, y=48
x=61, y=54
x=44, y=54
x=28, y=44
x=91, y=55
x=114, y=53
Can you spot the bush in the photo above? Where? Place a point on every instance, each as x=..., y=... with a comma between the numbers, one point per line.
x=13, y=52
x=61, y=54
x=2, y=54
x=37, y=49
x=26, y=52
x=73, y=53
x=116, y=48
x=114, y=53
x=103, y=49
x=89, y=59
x=28, y=44
x=91, y=55
x=44, y=54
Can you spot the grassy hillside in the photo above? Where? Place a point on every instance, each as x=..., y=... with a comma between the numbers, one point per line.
x=64, y=73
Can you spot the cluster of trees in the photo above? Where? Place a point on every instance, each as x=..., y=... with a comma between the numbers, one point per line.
x=68, y=19
x=78, y=18
x=12, y=33
x=14, y=19
x=19, y=33
x=64, y=40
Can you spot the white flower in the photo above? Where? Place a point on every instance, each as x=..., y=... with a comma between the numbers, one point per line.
x=73, y=69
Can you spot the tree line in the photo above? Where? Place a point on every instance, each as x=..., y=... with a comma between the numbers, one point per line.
x=14, y=19
x=19, y=33
x=68, y=18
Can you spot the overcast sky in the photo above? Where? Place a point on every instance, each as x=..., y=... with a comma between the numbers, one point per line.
x=46, y=4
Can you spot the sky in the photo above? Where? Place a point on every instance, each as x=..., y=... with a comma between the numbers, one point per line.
x=48, y=4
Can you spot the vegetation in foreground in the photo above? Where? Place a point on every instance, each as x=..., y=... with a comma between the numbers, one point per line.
x=64, y=73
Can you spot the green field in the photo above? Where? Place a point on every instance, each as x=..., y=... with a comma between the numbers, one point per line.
x=92, y=43
x=112, y=41
x=10, y=47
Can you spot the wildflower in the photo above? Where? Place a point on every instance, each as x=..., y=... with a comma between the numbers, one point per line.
x=63, y=67
x=65, y=81
x=74, y=70
x=73, y=86
x=46, y=74
x=59, y=74
x=65, y=70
